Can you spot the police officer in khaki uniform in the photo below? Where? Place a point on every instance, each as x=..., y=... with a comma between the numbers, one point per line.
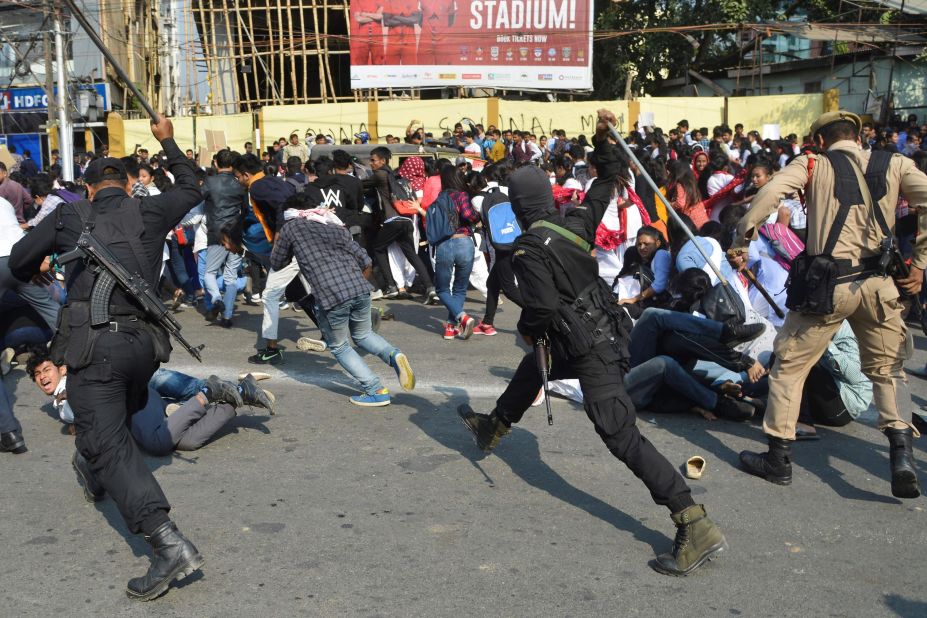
x=868, y=300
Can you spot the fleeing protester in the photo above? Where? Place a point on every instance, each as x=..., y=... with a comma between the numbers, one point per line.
x=336, y=268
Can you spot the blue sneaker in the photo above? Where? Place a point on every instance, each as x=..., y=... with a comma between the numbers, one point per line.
x=400, y=363
x=377, y=400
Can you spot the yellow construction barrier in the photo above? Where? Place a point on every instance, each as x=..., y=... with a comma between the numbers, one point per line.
x=793, y=113
x=340, y=120
x=238, y=129
x=699, y=111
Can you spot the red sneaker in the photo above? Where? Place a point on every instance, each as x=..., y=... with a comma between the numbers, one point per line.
x=450, y=331
x=484, y=329
x=466, y=326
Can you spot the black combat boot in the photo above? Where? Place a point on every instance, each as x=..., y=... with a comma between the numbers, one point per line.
x=12, y=442
x=487, y=428
x=174, y=558
x=774, y=466
x=904, y=476
x=93, y=490
x=698, y=540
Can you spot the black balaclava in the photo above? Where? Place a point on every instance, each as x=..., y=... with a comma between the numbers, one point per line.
x=531, y=195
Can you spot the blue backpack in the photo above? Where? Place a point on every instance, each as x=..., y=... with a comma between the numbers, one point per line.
x=499, y=220
x=442, y=219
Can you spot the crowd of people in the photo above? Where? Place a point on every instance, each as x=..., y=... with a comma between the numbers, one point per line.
x=331, y=235
x=224, y=248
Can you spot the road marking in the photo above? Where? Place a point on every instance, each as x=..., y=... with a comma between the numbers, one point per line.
x=485, y=387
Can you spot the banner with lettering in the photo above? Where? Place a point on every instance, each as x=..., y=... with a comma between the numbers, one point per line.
x=530, y=44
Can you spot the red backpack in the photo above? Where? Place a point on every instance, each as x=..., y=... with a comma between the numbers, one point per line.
x=784, y=242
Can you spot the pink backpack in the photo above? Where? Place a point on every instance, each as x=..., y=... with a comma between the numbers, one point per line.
x=784, y=242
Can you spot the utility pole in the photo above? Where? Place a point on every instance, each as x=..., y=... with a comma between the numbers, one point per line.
x=65, y=133
x=49, y=87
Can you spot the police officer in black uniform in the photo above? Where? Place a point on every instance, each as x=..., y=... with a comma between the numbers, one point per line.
x=110, y=364
x=566, y=301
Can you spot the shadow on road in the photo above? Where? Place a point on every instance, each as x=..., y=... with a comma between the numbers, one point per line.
x=814, y=457
x=905, y=607
x=520, y=451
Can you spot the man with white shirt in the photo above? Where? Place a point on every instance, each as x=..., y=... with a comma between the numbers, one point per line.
x=38, y=297
x=472, y=148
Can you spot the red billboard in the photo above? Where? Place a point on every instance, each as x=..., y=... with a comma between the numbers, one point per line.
x=543, y=44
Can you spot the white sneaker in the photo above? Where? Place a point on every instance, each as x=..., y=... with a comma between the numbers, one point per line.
x=6, y=361
x=308, y=344
x=256, y=298
x=376, y=295
x=284, y=305
x=257, y=375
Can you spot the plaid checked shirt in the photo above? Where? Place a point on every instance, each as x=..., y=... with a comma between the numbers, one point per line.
x=328, y=258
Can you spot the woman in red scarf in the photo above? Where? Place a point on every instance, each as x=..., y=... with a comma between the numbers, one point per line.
x=413, y=170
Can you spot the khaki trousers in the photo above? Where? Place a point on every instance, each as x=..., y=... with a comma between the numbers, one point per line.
x=873, y=309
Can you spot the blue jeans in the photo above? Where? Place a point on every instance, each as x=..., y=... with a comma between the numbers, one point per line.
x=174, y=385
x=644, y=381
x=25, y=335
x=647, y=331
x=8, y=422
x=352, y=318
x=219, y=259
x=201, y=272
x=453, y=257
x=149, y=425
x=177, y=266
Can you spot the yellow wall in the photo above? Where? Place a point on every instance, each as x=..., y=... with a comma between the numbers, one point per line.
x=699, y=111
x=575, y=118
x=794, y=113
x=340, y=120
x=238, y=129
x=437, y=116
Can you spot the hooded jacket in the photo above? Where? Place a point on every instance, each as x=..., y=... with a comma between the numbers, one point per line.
x=551, y=270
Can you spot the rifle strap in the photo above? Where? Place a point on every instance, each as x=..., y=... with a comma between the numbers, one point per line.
x=573, y=238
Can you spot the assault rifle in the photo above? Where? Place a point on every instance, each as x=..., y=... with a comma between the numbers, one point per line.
x=542, y=356
x=112, y=273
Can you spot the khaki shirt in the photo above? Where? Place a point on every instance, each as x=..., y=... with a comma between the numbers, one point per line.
x=861, y=234
x=295, y=150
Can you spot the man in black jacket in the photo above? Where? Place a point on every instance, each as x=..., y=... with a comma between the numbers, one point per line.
x=267, y=195
x=345, y=193
x=566, y=301
x=396, y=228
x=109, y=365
x=225, y=199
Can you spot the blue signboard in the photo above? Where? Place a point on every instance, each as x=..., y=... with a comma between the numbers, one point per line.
x=34, y=99
x=26, y=141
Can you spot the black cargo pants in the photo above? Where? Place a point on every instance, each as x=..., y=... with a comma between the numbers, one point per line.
x=609, y=407
x=103, y=396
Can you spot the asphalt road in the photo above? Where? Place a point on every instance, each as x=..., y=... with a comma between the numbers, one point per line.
x=327, y=509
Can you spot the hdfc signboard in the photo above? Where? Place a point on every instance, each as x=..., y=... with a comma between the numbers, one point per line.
x=545, y=44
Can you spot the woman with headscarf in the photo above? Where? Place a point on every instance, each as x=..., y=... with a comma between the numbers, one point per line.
x=413, y=170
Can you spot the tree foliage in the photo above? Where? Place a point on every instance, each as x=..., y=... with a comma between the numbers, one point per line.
x=654, y=57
